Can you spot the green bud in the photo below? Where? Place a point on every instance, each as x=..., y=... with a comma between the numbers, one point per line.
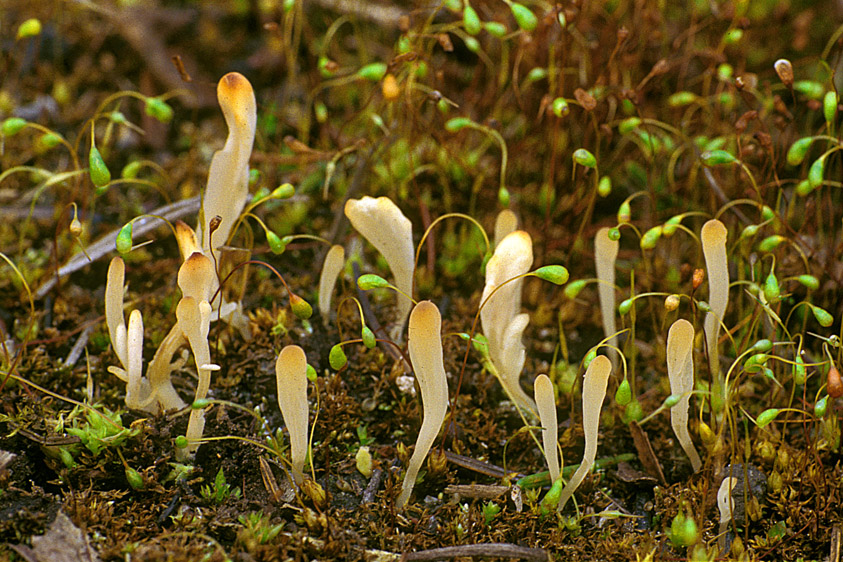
x=29, y=28
x=373, y=72
x=672, y=400
x=749, y=231
x=830, y=106
x=798, y=150
x=809, y=88
x=762, y=346
x=47, y=141
x=310, y=373
x=443, y=107
x=604, y=186
x=368, y=337
x=822, y=316
x=200, y=403
x=625, y=306
x=254, y=176
x=130, y=171
x=525, y=19
x=634, y=411
x=799, y=371
x=804, y=188
x=326, y=69
x=681, y=99
x=771, y=243
x=732, y=36
x=572, y=290
x=765, y=417
x=320, y=111
x=284, y=191
x=134, y=478
x=556, y=274
x=301, y=308
x=821, y=407
x=67, y=457
x=181, y=442
x=628, y=125
x=158, y=109
x=717, y=158
x=614, y=234
x=503, y=197
x=704, y=306
x=537, y=73
x=472, y=44
x=771, y=288
x=584, y=158
x=815, y=172
x=457, y=123
x=275, y=243
x=624, y=213
x=650, y=238
x=560, y=107
x=755, y=362
x=124, y=239
x=495, y=28
x=669, y=227
x=589, y=357
x=12, y=126
x=471, y=21
x=288, y=5
x=371, y=281
x=100, y=176
x=767, y=213
x=623, y=395
x=337, y=357
x=809, y=281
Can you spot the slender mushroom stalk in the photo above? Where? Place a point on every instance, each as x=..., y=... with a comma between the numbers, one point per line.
x=291, y=385
x=383, y=224
x=331, y=269
x=713, y=236
x=680, y=370
x=424, y=340
x=543, y=390
x=724, y=505
x=114, y=308
x=194, y=319
x=228, y=177
x=605, y=254
x=500, y=317
x=505, y=224
x=593, y=393
x=137, y=387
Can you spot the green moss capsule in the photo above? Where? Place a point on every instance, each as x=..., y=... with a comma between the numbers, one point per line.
x=99, y=172
x=337, y=357
x=524, y=17
x=371, y=281
x=556, y=274
x=301, y=308
x=798, y=150
x=623, y=395
x=471, y=21
x=584, y=158
x=158, y=109
x=124, y=239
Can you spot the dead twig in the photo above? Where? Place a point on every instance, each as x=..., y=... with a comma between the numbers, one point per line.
x=495, y=549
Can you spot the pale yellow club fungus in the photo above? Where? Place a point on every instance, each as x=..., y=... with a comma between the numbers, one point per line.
x=424, y=340
x=546, y=402
x=331, y=269
x=593, y=393
x=505, y=224
x=680, y=370
x=501, y=318
x=383, y=224
x=605, y=254
x=713, y=237
x=291, y=385
x=194, y=319
x=197, y=278
x=228, y=177
x=724, y=506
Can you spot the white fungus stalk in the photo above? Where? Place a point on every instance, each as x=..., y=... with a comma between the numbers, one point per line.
x=383, y=224
x=291, y=385
x=228, y=176
x=724, y=505
x=680, y=370
x=546, y=402
x=593, y=393
x=424, y=340
x=713, y=237
x=505, y=224
x=605, y=254
x=501, y=318
x=331, y=269
x=114, y=308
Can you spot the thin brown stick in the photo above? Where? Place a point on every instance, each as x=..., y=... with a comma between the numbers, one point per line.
x=495, y=549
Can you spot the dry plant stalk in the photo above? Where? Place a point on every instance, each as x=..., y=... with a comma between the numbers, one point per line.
x=424, y=340
x=605, y=254
x=713, y=236
x=501, y=318
x=680, y=370
x=291, y=385
x=331, y=269
x=383, y=224
x=546, y=403
x=593, y=393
